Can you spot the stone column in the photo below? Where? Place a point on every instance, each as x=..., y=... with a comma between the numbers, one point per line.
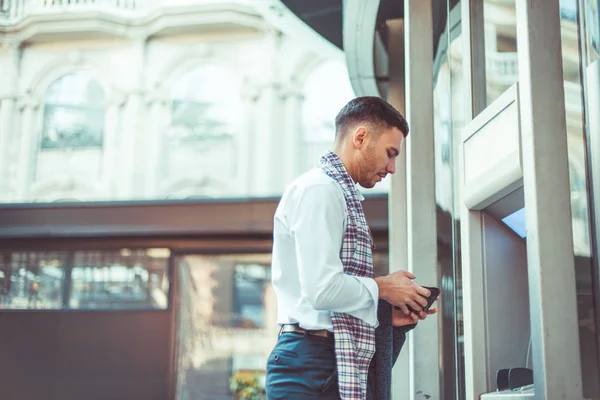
x=245, y=141
x=423, y=345
x=28, y=108
x=7, y=115
x=265, y=144
x=133, y=140
x=555, y=346
x=158, y=107
x=291, y=157
x=110, y=159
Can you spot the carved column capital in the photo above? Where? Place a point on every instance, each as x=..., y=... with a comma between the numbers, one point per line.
x=116, y=100
x=27, y=102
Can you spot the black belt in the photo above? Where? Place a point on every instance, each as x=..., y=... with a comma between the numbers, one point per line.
x=294, y=328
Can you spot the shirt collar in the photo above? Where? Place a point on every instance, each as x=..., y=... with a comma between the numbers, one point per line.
x=332, y=159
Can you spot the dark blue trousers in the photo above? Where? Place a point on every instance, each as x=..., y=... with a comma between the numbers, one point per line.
x=302, y=368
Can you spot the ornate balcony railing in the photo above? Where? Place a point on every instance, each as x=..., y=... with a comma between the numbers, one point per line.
x=502, y=68
x=12, y=11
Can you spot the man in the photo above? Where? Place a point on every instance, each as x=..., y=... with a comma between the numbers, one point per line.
x=322, y=272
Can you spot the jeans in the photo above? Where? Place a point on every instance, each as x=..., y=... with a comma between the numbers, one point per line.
x=302, y=367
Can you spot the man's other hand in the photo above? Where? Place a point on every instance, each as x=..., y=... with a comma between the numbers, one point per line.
x=401, y=319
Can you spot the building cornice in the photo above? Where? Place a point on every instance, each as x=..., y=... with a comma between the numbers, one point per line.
x=110, y=23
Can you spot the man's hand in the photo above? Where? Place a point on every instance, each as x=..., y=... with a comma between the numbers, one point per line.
x=399, y=290
x=401, y=319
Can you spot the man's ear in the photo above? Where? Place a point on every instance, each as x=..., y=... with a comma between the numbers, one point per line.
x=359, y=137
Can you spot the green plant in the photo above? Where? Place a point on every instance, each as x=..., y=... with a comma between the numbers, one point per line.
x=246, y=387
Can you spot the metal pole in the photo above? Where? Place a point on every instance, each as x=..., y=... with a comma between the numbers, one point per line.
x=550, y=260
x=421, y=212
x=398, y=258
x=470, y=221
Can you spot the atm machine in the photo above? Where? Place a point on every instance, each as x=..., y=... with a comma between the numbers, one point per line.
x=496, y=292
x=498, y=311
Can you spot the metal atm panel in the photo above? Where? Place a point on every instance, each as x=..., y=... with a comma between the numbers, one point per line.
x=492, y=153
x=492, y=186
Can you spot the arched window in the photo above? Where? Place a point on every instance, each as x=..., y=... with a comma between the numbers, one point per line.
x=72, y=133
x=204, y=106
x=326, y=90
x=73, y=113
x=205, y=116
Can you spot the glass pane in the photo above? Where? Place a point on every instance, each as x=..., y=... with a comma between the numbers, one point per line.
x=227, y=324
x=381, y=263
x=500, y=47
x=31, y=280
x=591, y=16
x=77, y=89
x=448, y=103
x=205, y=103
x=73, y=113
x=572, y=66
x=204, y=126
x=250, y=282
x=72, y=127
x=326, y=90
x=121, y=279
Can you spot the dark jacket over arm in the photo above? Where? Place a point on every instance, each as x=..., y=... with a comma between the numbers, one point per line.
x=388, y=343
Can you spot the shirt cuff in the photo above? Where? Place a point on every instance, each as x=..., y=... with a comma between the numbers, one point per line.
x=369, y=314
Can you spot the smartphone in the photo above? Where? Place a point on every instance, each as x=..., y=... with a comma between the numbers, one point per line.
x=435, y=292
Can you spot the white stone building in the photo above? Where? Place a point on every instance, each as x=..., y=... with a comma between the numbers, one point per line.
x=133, y=99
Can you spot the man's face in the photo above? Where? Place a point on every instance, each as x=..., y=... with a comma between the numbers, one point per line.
x=377, y=157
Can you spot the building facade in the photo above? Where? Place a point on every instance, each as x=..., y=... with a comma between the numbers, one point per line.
x=126, y=100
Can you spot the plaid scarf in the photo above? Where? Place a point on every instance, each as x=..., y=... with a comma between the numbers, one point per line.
x=354, y=338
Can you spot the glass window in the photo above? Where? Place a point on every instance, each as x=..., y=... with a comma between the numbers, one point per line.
x=206, y=113
x=227, y=323
x=122, y=279
x=202, y=106
x=98, y=280
x=32, y=280
x=4, y=8
x=500, y=32
x=573, y=54
x=250, y=281
x=73, y=113
x=592, y=22
x=326, y=90
x=448, y=107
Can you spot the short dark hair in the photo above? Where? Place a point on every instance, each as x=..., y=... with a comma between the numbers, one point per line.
x=372, y=110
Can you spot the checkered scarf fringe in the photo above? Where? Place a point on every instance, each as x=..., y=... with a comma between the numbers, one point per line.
x=354, y=338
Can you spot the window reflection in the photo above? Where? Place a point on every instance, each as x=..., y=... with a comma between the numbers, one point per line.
x=592, y=22
x=108, y=279
x=31, y=280
x=202, y=106
x=73, y=113
x=500, y=47
x=125, y=279
x=448, y=104
x=327, y=89
x=250, y=284
x=205, y=115
x=227, y=322
x=572, y=68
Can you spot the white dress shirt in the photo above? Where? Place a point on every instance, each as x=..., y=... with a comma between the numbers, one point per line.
x=307, y=272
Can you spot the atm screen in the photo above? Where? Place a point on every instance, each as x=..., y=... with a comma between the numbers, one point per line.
x=516, y=222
